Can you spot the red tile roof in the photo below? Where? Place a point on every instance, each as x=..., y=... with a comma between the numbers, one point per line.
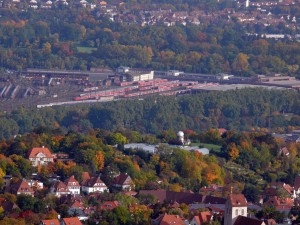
x=60, y=187
x=76, y=204
x=222, y=130
x=51, y=222
x=71, y=180
x=109, y=205
x=34, y=151
x=279, y=202
x=205, y=217
x=21, y=186
x=71, y=221
x=237, y=200
x=169, y=219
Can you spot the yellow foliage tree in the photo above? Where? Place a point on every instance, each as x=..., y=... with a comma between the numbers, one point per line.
x=232, y=151
x=99, y=160
x=175, y=187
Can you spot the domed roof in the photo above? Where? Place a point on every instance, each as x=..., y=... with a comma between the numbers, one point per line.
x=180, y=134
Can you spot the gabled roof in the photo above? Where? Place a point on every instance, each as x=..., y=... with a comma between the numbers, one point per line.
x=76, y=204
x=275, y=201
x=71, y=180
x=205, y=217
x=93, y=181
x=21, y=186
x=71, y=221
x=51, y=222
x=237, y=200
x=166, y=219
x=34, y=151
x=109, y=205
x=120, y=179
x=288, y=188
x=242, y=220
x=60, y=187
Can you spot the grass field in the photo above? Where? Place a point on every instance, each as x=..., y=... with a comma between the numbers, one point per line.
x=88, y=50
x=216, y=148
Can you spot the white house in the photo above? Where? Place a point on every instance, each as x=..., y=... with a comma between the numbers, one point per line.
x=59, y=189
x=73, y=185
x=93, y=184
x=40, y=156
x=236, y=205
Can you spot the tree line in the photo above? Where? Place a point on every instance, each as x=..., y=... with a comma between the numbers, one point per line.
x=247, y=109
x=77, y=39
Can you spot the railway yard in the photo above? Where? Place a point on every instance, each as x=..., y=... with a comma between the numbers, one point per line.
x=42, y=88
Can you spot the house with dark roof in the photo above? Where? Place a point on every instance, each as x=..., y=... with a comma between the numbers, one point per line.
x=9, y=207
x=59, y=189
x=20, y=187
x=93, y=184
x=297, y=185
x=123, y=181
x=172, y=196
x=208, y=199
x=243, y=220
x=40, y=156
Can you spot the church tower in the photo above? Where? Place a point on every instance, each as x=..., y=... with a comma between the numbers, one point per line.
x=236, y=205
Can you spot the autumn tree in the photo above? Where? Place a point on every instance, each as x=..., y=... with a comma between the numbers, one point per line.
x=99, y=160
x=232, y=151
x=240, y=63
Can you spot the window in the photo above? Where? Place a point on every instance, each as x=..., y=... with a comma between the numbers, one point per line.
x=236, y=212
x=242, y=212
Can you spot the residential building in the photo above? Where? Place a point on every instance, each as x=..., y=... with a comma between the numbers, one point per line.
x=93, y=184
x=243, y=220
x=165, y=219
x=21, y=187
x=73, y=185
x=71, y=221
x=40, y=156
x=236, y=205
x=203, y=217
x=123, y=181
x=50, y=222
x=109, y=205
x=59, y=189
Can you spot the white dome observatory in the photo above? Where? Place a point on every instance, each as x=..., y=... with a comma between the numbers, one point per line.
x=180, y=136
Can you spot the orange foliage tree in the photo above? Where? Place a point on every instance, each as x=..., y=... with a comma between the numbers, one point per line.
x=99, y=160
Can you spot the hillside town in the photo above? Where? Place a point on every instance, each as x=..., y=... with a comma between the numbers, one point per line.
x=82, y=200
